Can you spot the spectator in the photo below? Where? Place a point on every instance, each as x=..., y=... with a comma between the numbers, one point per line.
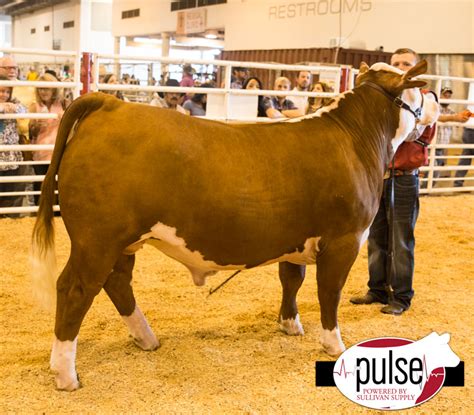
x=197, y=104
x=467, y=138
x=315, y=103
x=280, y=106
x=391, y=283
x=9, y=136
x=110, y=78
x=171, y=99
x=125, y=79
x=25, y=95
x=444, y=131
x=239, y=75
x=303, y=83
x=32, y=74
x=66, y=73
x=187, y=80
x=44, y=131
x=255, y=83
x=53, y=73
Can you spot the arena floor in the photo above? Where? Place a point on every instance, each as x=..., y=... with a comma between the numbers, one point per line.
x=225, y=354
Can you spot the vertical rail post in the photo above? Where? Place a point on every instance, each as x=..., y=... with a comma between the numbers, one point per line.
x=86, y=72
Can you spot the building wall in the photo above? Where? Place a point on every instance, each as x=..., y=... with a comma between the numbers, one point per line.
x=96, y=35
x=428, y=26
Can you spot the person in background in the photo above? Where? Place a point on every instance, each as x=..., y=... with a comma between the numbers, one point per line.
x=44, y=131
x=197, y=104
x=9, y=136
x=239, y=75
x=125, y=79
x=445, y=131
x=187, y=79
x=315, y=103
x=303, y=83
x=32, y=74
x=171, y=99
x=110, y=78
x=467, y=138
x=66, y=73
x=280, y=106
x=52, y=72
x=25, y=95
x=255, y=83
x=395, y=289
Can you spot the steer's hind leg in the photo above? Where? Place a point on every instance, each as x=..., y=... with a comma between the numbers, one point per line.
x=333, y=265
x=118, y=287
x=291, y=278
x=78, y=284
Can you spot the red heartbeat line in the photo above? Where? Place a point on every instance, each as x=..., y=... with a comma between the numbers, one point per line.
x=343, y=370
x=424, y=366
x=432, y=372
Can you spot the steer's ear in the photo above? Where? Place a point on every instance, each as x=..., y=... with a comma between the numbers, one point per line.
x=419, y=69
x=363, y=68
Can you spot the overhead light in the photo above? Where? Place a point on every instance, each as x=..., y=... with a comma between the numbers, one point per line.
x=211, y=34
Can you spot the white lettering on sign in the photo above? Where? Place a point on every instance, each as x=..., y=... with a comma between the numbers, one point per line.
x=317, y=8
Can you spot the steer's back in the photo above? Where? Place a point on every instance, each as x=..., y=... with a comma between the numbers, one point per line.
x=135, y=165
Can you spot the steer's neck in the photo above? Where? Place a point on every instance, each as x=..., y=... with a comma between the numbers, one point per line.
x=370, y=120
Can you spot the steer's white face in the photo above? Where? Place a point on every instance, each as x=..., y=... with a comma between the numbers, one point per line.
x=413, y=98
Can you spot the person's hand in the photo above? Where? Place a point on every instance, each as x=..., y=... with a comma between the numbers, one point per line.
x=463, y=116
x=7, y=107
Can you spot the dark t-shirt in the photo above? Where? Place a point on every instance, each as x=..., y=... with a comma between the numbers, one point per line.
x=272, y=102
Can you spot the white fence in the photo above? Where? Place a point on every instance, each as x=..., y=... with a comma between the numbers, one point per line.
x=228, y=94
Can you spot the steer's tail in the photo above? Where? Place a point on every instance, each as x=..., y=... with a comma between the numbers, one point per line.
x=43, y=258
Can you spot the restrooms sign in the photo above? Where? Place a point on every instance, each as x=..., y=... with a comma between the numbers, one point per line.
x=392, y=373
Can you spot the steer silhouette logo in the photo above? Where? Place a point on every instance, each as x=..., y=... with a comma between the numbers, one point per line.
x=393, y=373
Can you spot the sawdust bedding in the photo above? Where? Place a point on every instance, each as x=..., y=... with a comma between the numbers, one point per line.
x=225, y=354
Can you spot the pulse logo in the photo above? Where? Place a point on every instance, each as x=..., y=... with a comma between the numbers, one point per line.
x=392, y=373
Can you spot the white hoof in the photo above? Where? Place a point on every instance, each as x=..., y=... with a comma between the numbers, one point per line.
x=141, y=332
x=63, y=363
x=66, y=383
x=292, y=327
x=332, y=342
x=150, y=343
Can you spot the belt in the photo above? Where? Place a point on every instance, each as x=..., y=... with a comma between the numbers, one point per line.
x=397, y=172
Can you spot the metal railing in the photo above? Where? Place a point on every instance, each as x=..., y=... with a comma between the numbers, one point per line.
x=430, y=179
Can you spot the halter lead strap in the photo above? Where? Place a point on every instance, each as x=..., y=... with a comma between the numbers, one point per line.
x=396, y=100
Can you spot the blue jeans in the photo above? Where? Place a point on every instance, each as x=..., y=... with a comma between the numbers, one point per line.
x=406, y=207
x=467, y=138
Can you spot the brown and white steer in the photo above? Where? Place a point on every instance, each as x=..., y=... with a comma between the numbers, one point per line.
x=216, y=197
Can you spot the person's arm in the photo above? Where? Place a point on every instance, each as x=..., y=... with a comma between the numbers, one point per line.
x=273, y=113
x=462, y=116
x=293, y=113
x=270, y=110
x=11, y=107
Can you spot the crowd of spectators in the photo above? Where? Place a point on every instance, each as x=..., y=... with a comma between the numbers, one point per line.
x=55, y=100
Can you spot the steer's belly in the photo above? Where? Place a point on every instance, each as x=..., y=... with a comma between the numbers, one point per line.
x=164, y=238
